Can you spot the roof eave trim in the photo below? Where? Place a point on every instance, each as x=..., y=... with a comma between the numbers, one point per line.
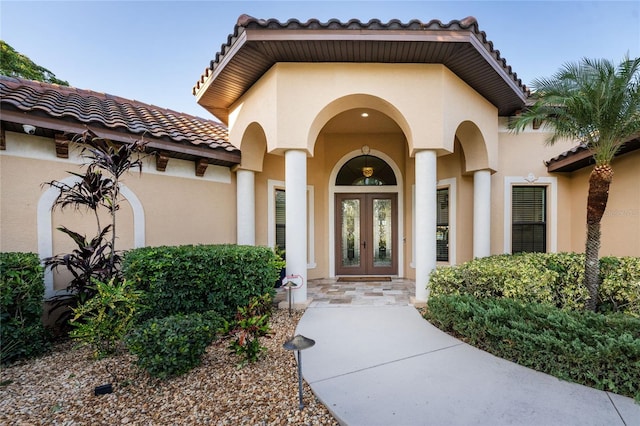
x=260, y=34
x=154, y=143
x=218, y=67
x=568, y=163
x=499, y=69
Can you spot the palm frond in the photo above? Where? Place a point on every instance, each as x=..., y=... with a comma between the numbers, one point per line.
x=593, y=102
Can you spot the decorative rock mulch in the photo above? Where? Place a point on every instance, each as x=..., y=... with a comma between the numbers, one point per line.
x=58, y=389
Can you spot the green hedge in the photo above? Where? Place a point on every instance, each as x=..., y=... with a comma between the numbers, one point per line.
x=21, y=303
x=554, y=278
x=187, y=279
x=600, y=351
x=174, y=345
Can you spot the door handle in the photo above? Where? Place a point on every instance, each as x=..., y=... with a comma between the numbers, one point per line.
x=364, y=243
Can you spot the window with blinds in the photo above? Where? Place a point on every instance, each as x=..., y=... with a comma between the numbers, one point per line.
x=442, y=223
x=529, y=219
x=280, y=219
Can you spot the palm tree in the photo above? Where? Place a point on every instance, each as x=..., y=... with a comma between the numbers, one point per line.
x=598, y=104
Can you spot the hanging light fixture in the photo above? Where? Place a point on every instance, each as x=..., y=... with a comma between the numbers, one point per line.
x=367, y=171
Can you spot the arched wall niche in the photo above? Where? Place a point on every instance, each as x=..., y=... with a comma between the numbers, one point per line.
x=355, y=101
x=473, y=145
x=253, y=146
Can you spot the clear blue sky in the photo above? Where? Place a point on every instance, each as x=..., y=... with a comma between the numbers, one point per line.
x=154, y=52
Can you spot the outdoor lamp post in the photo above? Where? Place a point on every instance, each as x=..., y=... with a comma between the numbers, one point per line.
x=289, y=285
x=299, y=343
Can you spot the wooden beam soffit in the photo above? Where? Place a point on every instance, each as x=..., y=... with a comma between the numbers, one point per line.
x=62, y=146
x=201, y=166
x=162, y=159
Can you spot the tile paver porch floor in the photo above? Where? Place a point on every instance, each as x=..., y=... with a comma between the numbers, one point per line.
x=328, y=292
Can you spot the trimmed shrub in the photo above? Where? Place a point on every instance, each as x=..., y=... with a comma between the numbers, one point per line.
x=174, y=345
x=620, y=288
x=596, y=350
x=552, y=278
x=187, y=279
x=21, y=304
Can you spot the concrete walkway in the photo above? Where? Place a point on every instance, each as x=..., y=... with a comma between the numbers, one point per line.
x=385, y=365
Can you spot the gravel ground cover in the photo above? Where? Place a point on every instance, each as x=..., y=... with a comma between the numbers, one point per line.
x=58, y=389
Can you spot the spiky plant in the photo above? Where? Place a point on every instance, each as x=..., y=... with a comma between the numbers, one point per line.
x=94, y=258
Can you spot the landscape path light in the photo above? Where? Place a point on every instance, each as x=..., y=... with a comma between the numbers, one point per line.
x=299, y=343
x=289, y=283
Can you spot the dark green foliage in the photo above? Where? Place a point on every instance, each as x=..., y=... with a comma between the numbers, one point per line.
x=174, y=345
x=553, y=278
x=251, y=323
x=21, y=293
x=102, y=321
x=15, y=64
x=188, y=279
x=600, y=351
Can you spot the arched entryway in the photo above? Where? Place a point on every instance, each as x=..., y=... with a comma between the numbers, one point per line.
x=366, y=224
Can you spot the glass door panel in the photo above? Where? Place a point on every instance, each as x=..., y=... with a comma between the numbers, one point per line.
x=382, y=233
x=366, y=232
x=350, y=233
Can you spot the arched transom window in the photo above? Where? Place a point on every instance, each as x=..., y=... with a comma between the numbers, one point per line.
x=366, y=170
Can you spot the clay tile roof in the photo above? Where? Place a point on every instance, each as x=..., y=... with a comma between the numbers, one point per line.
x=116, y=114
x=256, y=44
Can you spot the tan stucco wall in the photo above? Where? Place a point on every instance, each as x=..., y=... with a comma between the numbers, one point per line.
x=522, y=155
x=451, y=166
x=620, y=225
x=274, y=170
x=187, y=211
x=433, y=109
x=328, y=151
x=19, y=194
x=430, y=104
x=287, y=108
x=177, y=210
x=425, y=103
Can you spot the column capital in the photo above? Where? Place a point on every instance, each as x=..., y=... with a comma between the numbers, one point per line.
x=486, y=169
x=239, y=168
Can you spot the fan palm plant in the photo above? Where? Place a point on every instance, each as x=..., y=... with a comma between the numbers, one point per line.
x=597, y=103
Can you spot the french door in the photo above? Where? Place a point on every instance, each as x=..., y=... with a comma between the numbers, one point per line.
x=366, y=230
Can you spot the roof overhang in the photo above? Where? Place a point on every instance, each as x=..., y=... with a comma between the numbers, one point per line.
x=13, y=120
x=580, y=157
x=256, y=45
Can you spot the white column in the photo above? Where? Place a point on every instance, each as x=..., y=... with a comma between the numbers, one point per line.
x=481, y=213
x=295, y=181
x=246, y=207
x=426, y=185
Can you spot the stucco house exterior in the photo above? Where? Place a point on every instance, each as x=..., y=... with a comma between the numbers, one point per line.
x=358, y=148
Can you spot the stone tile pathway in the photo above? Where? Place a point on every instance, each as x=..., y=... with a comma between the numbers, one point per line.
x=333, y=294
